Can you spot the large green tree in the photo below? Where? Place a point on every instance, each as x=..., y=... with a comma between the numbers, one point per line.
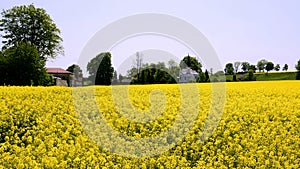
x=229, y=68
x=33, y=26
x=261, y=65
x=24, y=67
x=245, y=66
x=253, y=67
x=191, y=62
x=76, y=70
x=100, y=69
x=269, y=66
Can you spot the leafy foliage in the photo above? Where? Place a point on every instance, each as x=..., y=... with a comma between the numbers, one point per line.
x=31, y=25
x=285, y=67
x=22, y=66
x=229, y=68
x=100, y=69
x=245, y=66
x=191, y=62
x=261, y=65
x=269, y=66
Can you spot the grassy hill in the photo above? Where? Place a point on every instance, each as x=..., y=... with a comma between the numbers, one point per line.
x=275, y=76
x=270, y=76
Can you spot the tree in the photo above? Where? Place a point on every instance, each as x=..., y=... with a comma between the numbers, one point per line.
x=24, y=67
x=277, y=67
x=132, y=72
x=115, y=77
x=206, y=76
x=3, y=68
x=211, y=71
x=201, y=77
x=236, y=66
x=192, y=62
x=229, y=68
x=298, y=72
x=245, y=66
x=138, y=61
x=100, y=69
x=253, y=67
x=77, y=73
x=250, y=75
x=269, y=66
x=171, y=63
x=76, y=70
x=261, y=65
x=285, y=67
x=120, y=78
x=31, y=25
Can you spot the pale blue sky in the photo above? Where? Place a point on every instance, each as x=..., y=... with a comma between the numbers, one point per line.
x=239, y=30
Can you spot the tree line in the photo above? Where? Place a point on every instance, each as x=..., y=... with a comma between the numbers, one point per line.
x=30, y=38
x=261, y=66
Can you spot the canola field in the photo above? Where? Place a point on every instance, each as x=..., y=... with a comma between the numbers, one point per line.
x=258, y=126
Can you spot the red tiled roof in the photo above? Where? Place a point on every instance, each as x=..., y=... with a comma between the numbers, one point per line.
x=57, y=71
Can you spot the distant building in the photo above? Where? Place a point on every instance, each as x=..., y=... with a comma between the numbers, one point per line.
x=61, y=76
x=187, y=75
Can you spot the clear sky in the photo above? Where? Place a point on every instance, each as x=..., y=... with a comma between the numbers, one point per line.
x=239, y=30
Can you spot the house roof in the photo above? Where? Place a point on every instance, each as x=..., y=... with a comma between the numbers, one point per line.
x=188, y=71
x=57, y=71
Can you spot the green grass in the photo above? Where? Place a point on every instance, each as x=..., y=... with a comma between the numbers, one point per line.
x=271, y=76
x=275, y=76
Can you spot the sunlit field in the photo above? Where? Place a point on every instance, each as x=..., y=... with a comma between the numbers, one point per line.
x=259, y=127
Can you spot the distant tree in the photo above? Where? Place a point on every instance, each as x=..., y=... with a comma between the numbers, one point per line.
x=250, y=75
x=161, y=66
x=100, y=69
x=201, y=77
x=24, y=67
x=173, y=68
x=77, y=73
x=115, y=77
x=219, y=73
x=234, y=78
x=298, y=72
x=229, y=68
x=211, y=71
x=132, y=72
x=206, y=76
x=285, y=67
x=253, y=67
x=171, y=64
x=269, y=66
x=120, y=78
x=191, y=62
x=297, y=66
x=33, y=26
x=236, y=66
x=261, y=65
x=138, y=61
x=245, y=66
x=76, y=70
x=277, y=67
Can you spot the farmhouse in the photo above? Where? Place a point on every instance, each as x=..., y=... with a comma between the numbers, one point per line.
x=61, y=76
x=187, y=75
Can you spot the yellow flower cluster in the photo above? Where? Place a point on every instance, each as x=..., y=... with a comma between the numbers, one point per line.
x=60, y=127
